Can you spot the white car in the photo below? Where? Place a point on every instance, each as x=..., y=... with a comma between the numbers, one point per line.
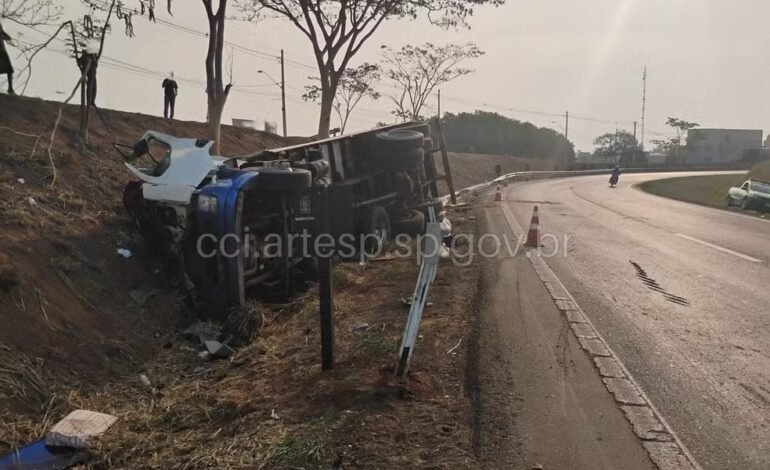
x=751, y=195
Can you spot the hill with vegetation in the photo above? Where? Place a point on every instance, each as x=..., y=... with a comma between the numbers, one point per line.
x=483, y=132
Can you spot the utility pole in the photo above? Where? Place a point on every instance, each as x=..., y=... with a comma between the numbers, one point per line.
x=634, y=130
x=566, y=125
x=633, y=152
x=283, y=94
x=644, y=102
x=439, y=104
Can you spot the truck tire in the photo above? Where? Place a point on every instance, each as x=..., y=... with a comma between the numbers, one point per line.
x=413, y=223
x=399, y=161
x=292, y=180
x=375, y=230
x=423, y=129
x=399, y=141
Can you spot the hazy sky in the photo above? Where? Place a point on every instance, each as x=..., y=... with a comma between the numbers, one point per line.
x=706, y=60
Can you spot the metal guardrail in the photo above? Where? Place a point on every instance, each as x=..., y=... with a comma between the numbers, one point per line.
x=536, y=175
x=428, y=269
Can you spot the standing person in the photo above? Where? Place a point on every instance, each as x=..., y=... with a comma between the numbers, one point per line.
x=5, y=62
x=170, y=89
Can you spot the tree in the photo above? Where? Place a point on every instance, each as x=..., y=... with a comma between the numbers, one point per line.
x=419, y=70
x=681, y=127
x=491, y=133
x=621, y=145
x=86, y=47
x=216, y=90
x=355, y=84
x=673, y=146
x=337, y=29
x=29, y=13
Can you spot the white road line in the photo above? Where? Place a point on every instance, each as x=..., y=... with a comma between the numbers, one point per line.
x=720, y=248
x=535, y=260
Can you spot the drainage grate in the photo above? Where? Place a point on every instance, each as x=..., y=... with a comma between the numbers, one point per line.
x=652, y=284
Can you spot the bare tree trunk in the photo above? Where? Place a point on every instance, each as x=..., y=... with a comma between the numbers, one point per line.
x=217, y=91
x=324, y=122
x=215, y=123
x=329, y=82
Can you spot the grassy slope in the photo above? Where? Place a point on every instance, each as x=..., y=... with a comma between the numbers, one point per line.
x=708, y=190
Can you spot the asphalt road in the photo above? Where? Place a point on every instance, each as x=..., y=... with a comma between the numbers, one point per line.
x=681, y=293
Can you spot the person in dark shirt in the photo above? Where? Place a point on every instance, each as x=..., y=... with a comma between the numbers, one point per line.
x=6, y=67
x=169, y=96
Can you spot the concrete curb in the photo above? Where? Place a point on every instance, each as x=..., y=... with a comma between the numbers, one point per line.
x=663, y=446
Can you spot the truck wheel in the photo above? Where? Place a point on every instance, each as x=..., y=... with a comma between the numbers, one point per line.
x=395, y=161
x=413, y=223
x=274, y=179
x=423, y=129
x=375, y=230
x=399, y=141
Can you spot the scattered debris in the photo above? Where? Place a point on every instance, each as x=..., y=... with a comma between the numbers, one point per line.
x=78, y=427
x=143, y=294
x=124, y=252
x=274, y=415
x=21, y=180
x=38, y=455
x=361, y=327
x=32, y=202
x=218, y=350
x=146, y=381
x=455, y=346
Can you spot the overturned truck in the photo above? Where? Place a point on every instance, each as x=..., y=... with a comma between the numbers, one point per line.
x=228, y=225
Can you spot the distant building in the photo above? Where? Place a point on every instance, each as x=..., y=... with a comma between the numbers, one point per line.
x=721, y=145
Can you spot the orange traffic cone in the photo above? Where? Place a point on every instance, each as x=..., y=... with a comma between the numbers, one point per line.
x=498, y=194
x=533, y=237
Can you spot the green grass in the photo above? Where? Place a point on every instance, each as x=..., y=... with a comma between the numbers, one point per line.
x=708, y=190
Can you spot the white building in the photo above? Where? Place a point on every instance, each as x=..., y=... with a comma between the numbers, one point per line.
x=721, y=145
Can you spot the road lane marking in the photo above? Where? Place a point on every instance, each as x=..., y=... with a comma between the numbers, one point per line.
x=720, y=248
x=665, y=455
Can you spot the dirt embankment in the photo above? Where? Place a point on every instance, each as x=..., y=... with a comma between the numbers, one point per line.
x=73, y=336
x=469, y=169
x=64, y=292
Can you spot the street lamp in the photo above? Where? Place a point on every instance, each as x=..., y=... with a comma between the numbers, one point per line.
x=282, y=86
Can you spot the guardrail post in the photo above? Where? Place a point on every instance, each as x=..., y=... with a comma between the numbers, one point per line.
x=325, y=288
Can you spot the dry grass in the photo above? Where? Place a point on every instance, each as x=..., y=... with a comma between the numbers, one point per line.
x=270, y=406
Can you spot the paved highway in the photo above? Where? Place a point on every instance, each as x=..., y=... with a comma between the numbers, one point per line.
x=682, y=294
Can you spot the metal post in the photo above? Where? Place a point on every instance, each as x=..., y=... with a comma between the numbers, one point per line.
x=439, y=104
x=325, y=288
x=566, y=125
x=445, y=161
x=283, y=94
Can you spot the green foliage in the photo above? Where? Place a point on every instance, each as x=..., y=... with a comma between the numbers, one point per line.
x=491, y=133
x=622, y=145
x=355, y=84
x=416, y=71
